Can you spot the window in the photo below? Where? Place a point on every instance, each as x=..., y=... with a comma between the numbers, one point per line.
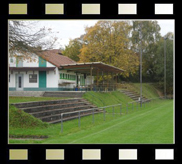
x=33, y=78
x=82, y=80
x=9, y=77
x=61, y=75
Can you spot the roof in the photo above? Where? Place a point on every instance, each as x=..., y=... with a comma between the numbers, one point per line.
x=86, y=67
x=55, y=57
x=31, y=68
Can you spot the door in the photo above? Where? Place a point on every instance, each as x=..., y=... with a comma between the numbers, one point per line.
x=42, y=79
x=19, y=82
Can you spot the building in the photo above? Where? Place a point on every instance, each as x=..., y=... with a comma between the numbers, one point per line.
x=51, y=71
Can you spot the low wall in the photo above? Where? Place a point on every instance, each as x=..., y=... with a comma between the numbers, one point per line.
x=26, y=93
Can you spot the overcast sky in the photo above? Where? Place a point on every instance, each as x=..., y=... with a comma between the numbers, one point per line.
x=70, y=29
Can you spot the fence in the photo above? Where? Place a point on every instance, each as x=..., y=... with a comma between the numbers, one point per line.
x=97, y=88
x=112, y=110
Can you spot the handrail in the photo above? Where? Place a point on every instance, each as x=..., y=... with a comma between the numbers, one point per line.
x=110, y=106
x=104, y=111
x=78, y=111
x=145, y=100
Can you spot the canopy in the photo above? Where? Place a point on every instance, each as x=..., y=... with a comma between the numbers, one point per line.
x=91, y=68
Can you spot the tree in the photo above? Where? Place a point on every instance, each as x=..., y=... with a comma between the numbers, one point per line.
x=159, y=62
x=73, y=49
x=150, y=35
x=26, y=38
x=109, y=42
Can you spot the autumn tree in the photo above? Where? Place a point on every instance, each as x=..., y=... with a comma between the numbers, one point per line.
x=109, y=42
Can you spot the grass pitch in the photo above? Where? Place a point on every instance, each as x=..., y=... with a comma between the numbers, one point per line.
x=152, y=124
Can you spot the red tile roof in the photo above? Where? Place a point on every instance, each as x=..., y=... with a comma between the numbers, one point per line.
x=55, y=57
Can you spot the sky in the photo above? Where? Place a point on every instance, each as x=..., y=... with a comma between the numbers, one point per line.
x=70, y=29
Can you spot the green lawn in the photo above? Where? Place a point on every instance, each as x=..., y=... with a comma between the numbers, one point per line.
x=152, y=124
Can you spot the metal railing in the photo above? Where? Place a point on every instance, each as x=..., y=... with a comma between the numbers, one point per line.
x=79, y=122
x=122, y=110
x=97, y=88
x=144, y=102
x=93, y=112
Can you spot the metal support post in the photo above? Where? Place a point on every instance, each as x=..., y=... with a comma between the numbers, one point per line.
x=61, y=123
x=132, y=105
x=79, y=118
x=127, y=108
x=113, y=111
x=165, y=68
x=137, y=105
x=120, y=109
x=93, y=116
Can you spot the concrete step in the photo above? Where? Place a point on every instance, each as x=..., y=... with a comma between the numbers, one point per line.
x=63, y=94
x=58, y=116
x=51, y=107
x=75, y=117
x=59, y=111
x=50, y=111
x=130, y=93
x=40, y=103
x=133, y=95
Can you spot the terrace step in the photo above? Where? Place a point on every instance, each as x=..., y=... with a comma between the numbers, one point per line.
x=63, y=94
x=51, y=107
x=58, y=111
x=50, y=111
x=58, y=116
x=133, y=95
x=39, y=103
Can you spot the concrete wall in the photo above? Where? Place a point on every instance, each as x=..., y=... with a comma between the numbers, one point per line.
x=52, y=78
x=26, y=93
x=12, y=80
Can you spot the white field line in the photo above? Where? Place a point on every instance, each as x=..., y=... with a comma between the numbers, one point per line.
x=117, y=124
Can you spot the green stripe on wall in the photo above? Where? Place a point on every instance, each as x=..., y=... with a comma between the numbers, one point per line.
x=48, y=89
x=42, y=62
x=12, y=89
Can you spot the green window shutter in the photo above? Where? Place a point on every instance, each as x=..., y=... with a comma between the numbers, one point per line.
x=60, y=75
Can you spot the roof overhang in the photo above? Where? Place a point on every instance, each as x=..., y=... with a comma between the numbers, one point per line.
x=32, y=68
x=95, y=66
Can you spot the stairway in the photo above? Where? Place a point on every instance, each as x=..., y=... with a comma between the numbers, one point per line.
x=133, y=95
x=50, y=111
x=74, y=94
